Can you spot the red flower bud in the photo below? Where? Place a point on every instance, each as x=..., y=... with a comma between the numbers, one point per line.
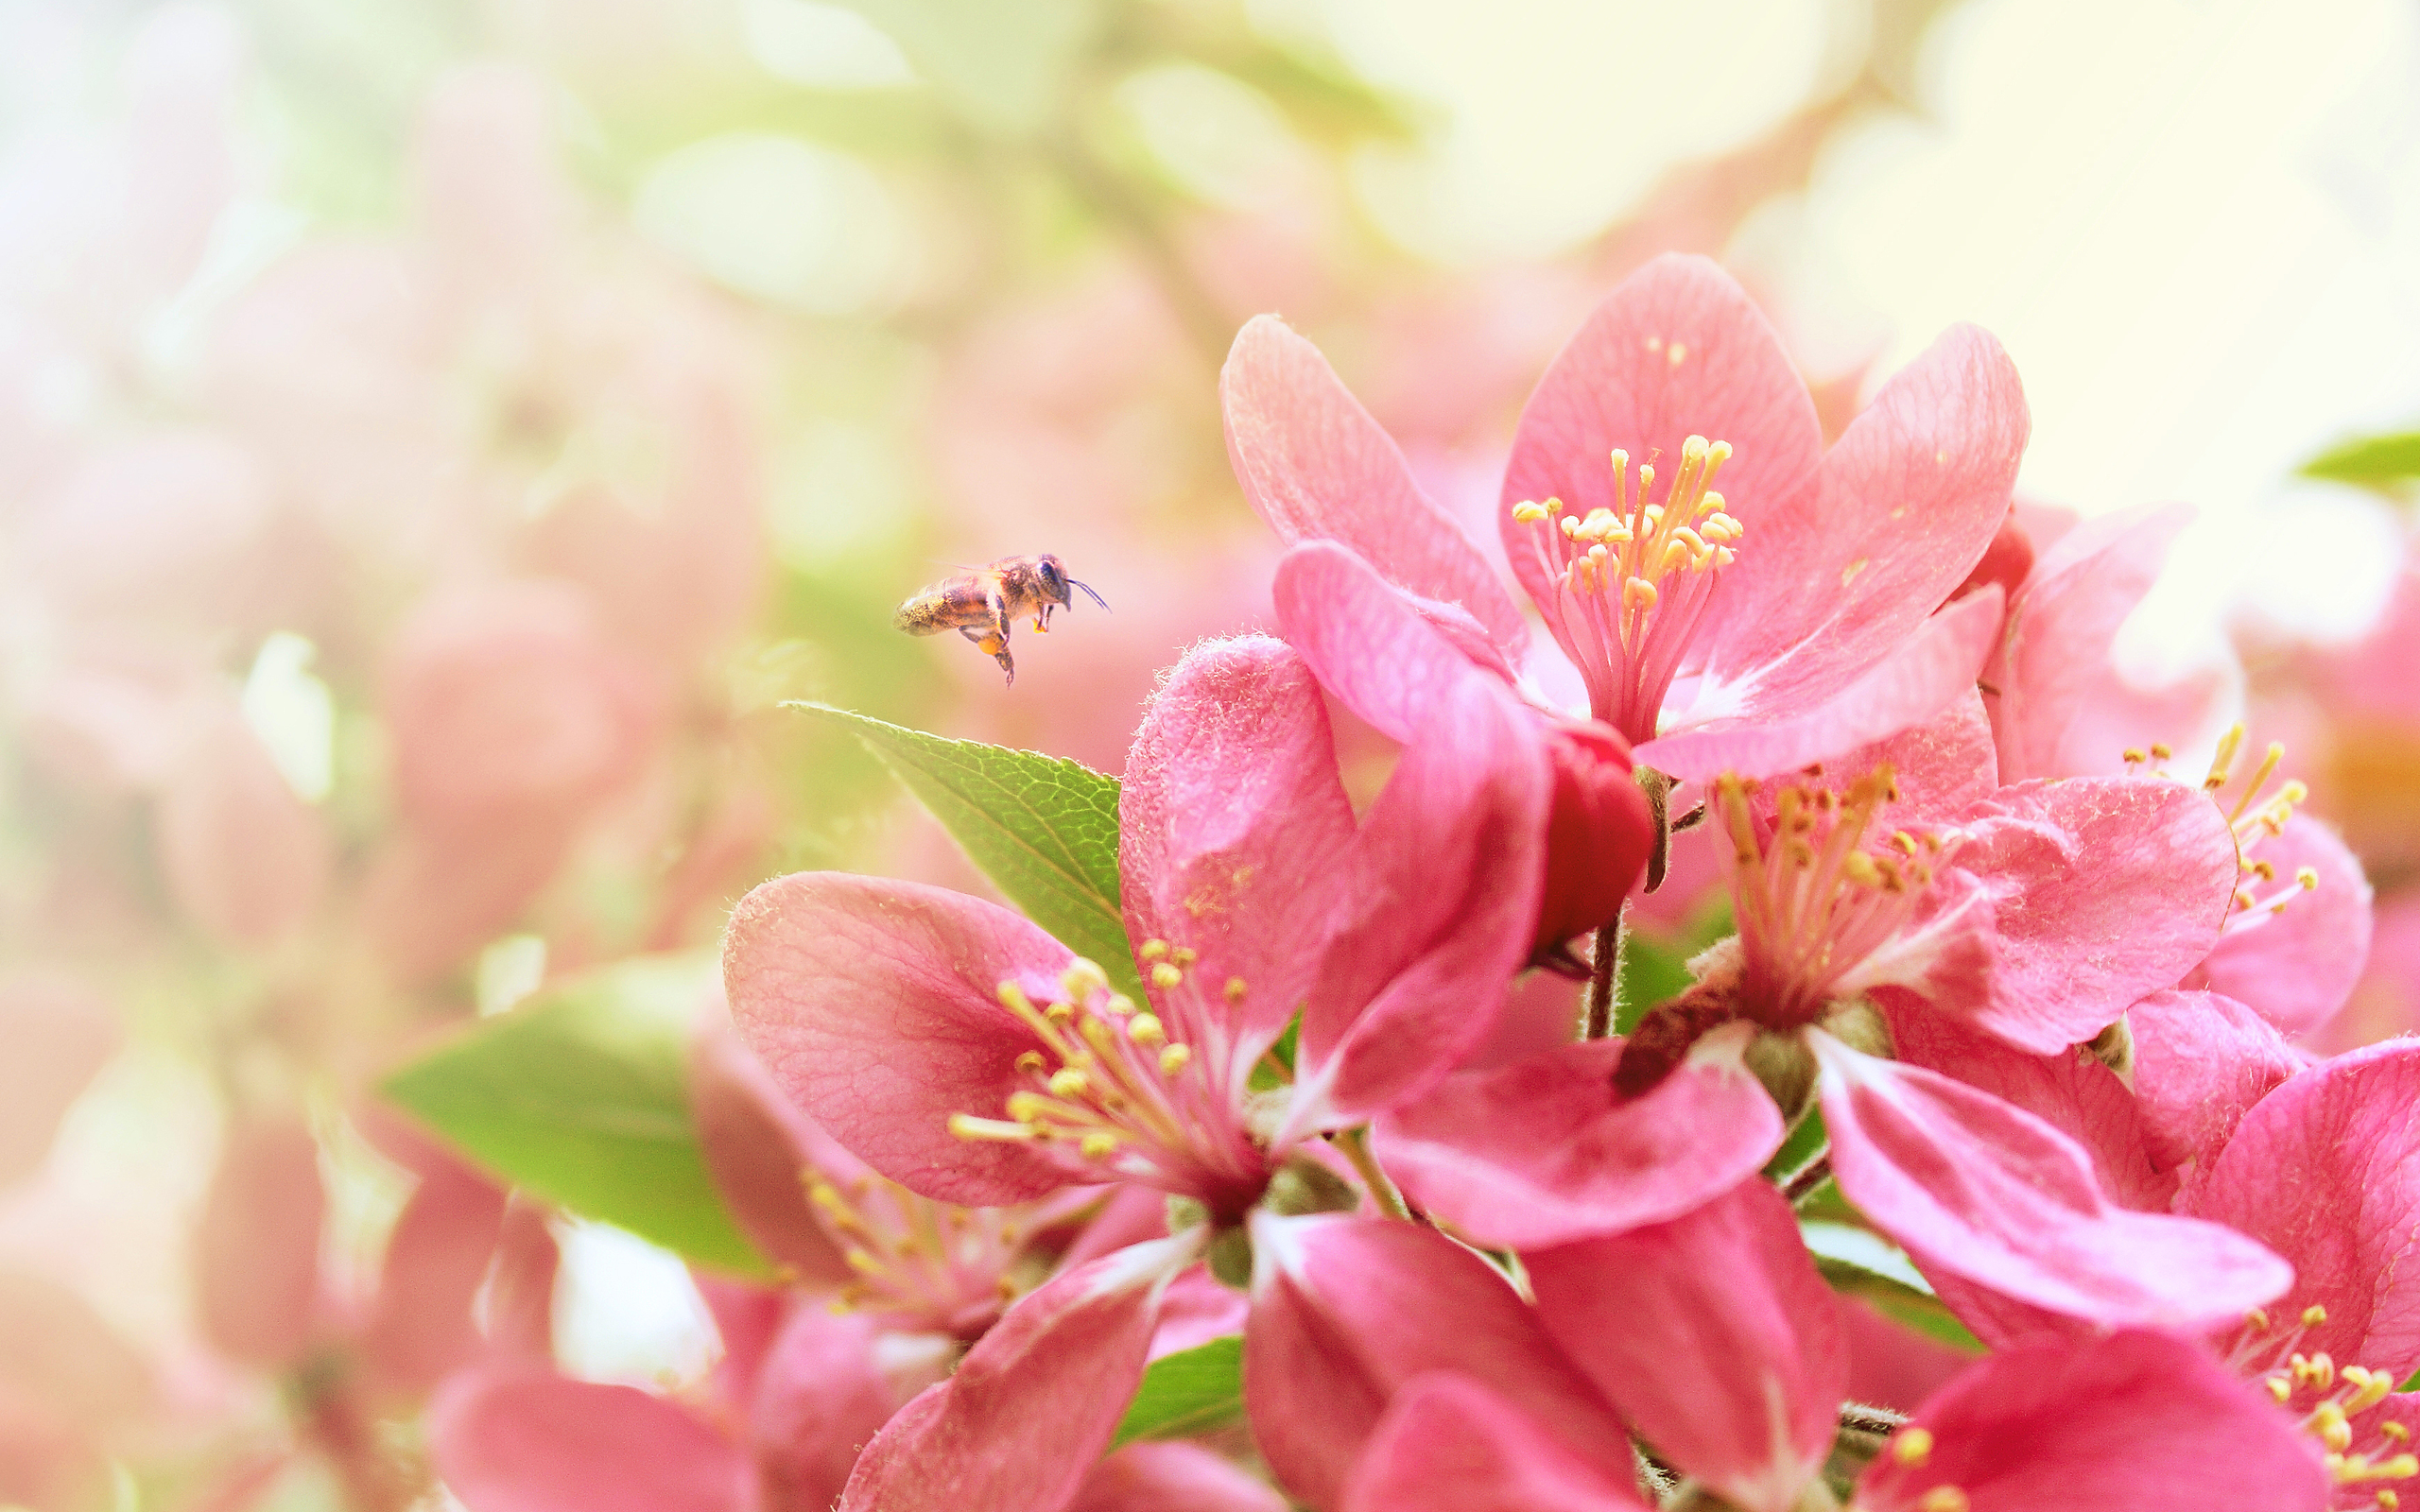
x=2006, y=561
x=1598, y=836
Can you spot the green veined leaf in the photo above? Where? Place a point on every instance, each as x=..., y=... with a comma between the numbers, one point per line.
x=580, y=1095
x=1044, y=830
x=1863, y=1264
x=2382, y=462
x=1187, y=1392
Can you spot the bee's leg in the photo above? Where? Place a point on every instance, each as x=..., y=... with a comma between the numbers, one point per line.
x=997, y=641
x=994, y=641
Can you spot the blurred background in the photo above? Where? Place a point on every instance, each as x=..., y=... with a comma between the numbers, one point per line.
x=436, y=435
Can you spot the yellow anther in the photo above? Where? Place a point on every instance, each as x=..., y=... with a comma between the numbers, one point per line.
x=1944, y=1499
x=1027, y=1107
x=2135, y=756
x=1145, y=1030
x=1912, y=1445
x=1013, y=998
x=1185, y=956
x=2388, y=1499
x=2327, y=1421
x=863, y=1263
x=2160, y=752
x=1236, y=989
x=1718, y=453
x=1529, y=511
x=2373, y=1388
x=1693, y=449
x=2256, y=1320
x=1165, y=975
x=1082, y=979
x=1554, y=506
x=1069, y=1082
x=1098, y=1143
x=2277, y=1388
x=1175, y=1058
x=1860, y=868
x=2396, y=1431
x=1638, y=593
x=1030, y=1061
x=2313, y=1316
x=1119, y=1005
x=1059, y=1012
x=2306, y=878
x=1153, y=949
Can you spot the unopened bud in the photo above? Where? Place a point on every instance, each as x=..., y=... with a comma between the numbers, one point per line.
x=1599, y=832
x=1303, y=1185
x=2114, y=1047
x=1784, y=1067
x=1860, y=1025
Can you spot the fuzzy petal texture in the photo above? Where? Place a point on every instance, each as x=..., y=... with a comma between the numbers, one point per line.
x=1940, y=768
x=532, y=1441
x=820, y=1397
x=1678, y=349
x=2069, y=1091
x=1909, y=498
x=1542, y=1152
x=2107, y=888
x=1975, y=1188
x=2325, y=1171
x=1316, y=467
x=1034, y=1402
x=1232, y=825
x=2200, y=1062
x=1907, y=684
x=1449, y=1444
x=1441, y=893
x=756, y=1147
x=2052, y=657
x=1347, y=1311
x=1720, y=1343
x=2136, y=1423
x=256, y=1248
x=2295, y=968
x=875, y=1006
x=1172, y=1476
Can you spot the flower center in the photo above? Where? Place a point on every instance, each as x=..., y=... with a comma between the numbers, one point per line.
x=946, y=1268
x=2260, y=812
x=1110, y=1096
x=2367, y=1451
x=1811, y=900
x=1630, y=581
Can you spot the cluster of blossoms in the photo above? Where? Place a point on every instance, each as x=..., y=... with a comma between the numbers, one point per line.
x=2028, y=1019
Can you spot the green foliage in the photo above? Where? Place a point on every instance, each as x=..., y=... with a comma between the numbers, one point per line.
x=1043, y=828
x=1806, y=1140
x=1655, y=963
x=1265, y=1076
x=1860, y=1263
x=580, y=1095
x=1187, y=1392
x=2389, y=464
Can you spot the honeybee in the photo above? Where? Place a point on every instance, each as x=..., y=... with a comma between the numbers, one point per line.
x=979, y=601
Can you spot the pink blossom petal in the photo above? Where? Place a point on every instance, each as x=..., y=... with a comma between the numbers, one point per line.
x=875, y=1006
x=256, y=1248
x=2325, y=1170
x=521, y=1289
x=2060, y=627
x=1676, y=351
x=2070, y=1090
x=1910, y=497
x=1448, y=1444
x=1368, y=646
x=821, y=1395
x=532, y=1441
x=1441, y=903
x=1904, y=686
x=2136, y=1422
x=1973, y=1187
x=1940, y=768
x=2200, y=1062
x=1173, y=1477
x=2110, y=888
x=1197, y=1308
x=1720, y=1343
x=1318, y=468
x=1034, y=1402
x=1541, y=1152
x=59, y=1036
x=1233, y=824
x=1348, y=1310
x=424, y=1325
x=2297, y=967
x=244, y=857
x=1891, y=1364
x=756, y=1147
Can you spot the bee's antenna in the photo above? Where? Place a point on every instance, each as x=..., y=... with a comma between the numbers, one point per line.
x=1089, y=593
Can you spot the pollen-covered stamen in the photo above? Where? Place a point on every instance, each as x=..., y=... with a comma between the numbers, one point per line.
x=1113, y=1096
x=1631, y=580
x=944, y=1266
x=1812, y=899
x=2365, y=1451
x=2258, y=813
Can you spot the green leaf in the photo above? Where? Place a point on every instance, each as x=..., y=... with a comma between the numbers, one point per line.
x=580, y=1095
x=1043, y=828
x=2370, y=461
x=1187, y=1392
x=1655, y=963
x=1863, y=1264
x=1266, y=1076
x=1806, y=1140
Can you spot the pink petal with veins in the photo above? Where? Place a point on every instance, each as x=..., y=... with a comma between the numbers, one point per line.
x=1449, y=1444
x=2201, y=1061
x=1542, y=1152
x=532, y=1441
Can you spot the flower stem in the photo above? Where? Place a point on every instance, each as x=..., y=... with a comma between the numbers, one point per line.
x=1607, y=953
x=1355, y=1143
x=1803, y=1181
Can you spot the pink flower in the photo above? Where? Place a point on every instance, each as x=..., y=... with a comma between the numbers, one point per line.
x=1724, y=1349
x=907, y=1020
x=1780, y=621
